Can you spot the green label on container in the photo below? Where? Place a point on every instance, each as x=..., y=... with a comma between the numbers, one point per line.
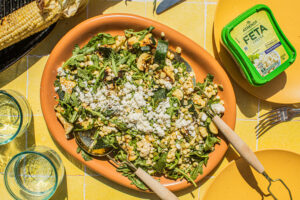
x=257, y=38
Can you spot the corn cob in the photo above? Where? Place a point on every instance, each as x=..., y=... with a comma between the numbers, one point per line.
x=35, y=17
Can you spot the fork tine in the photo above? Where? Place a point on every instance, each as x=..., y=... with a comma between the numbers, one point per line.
x=265, y=128
x=270, y=117
x=266, y=120
x=267, y=123
x=271, y=112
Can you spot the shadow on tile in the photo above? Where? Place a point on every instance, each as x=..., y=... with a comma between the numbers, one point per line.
x=16, y=70
x=77, y=163
x=102, y=6
x=246, y=103
x=231, y=154
x=125, y=190
x=12, y=72
x=62, y=190
x=248, y=176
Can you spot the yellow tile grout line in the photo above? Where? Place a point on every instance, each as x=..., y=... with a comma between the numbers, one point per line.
x=27, y=85
x=247, y=120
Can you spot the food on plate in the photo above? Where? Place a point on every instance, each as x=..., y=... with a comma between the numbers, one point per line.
x=35, y=17
x=133, y=93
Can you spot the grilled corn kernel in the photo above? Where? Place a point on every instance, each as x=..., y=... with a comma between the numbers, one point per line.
x=178, y=50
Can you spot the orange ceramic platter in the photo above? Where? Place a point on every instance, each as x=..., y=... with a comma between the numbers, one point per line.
x=201, y=62
x=284, y=89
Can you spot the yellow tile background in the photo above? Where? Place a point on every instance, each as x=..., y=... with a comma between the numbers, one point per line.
x=194, y=18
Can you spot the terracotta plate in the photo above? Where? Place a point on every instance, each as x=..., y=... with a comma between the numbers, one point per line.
x=201, y=62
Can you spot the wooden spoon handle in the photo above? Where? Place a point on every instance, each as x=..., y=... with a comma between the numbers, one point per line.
x=239, y=144
x=155, y=186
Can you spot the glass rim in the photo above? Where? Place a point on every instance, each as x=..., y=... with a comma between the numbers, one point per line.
x=30, y=192
x=21, y=117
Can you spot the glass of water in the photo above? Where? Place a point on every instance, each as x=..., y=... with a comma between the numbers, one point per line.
x=34, y=174
x=15, y=115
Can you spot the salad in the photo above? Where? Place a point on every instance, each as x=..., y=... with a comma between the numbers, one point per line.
x=133, y=94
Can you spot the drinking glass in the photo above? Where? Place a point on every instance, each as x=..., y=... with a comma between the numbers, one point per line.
x=15, y=115
x=34, y=174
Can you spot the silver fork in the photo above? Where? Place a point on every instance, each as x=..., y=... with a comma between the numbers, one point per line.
x=275, y=116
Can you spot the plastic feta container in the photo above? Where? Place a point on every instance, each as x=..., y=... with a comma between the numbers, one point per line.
x=258, y=45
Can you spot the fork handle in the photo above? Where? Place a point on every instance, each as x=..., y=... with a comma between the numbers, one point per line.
x=241, y=147
x=161, y=191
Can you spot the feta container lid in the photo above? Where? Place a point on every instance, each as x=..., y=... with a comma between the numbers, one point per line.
x=258, y=45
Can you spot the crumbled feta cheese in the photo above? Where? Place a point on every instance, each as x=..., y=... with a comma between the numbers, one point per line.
x=181, y=122
x=159, y=130
x=63, y=88
x=178, y=146
x=129, y=78
x=139, y=121
x=168, y=85
x=218, y=108
x=60, y=72
x=203, y=117
x=192, y=133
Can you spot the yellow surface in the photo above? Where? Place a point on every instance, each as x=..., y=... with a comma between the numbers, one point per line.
x=246, y=183
x=285, y=87
x=193, y=18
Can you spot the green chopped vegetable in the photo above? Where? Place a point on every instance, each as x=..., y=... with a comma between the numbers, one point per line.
x=161, y=163
x=161, y=51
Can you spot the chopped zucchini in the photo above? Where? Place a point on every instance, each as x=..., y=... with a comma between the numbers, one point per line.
x=161, y=51
x=213, y=128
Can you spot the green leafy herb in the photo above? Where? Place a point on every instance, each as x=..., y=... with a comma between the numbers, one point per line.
x=210, y=141
x=161, y=51
x=120, y=125
x=84, y=74
x=140, y=34
x=132, y=177
x=113, y=64
x=159, y=95
x=61, y=94
x=86, y=156
x=161, y=163
x=78, y=149
x=74, y=60
x=197, y=170
x=186, y=176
